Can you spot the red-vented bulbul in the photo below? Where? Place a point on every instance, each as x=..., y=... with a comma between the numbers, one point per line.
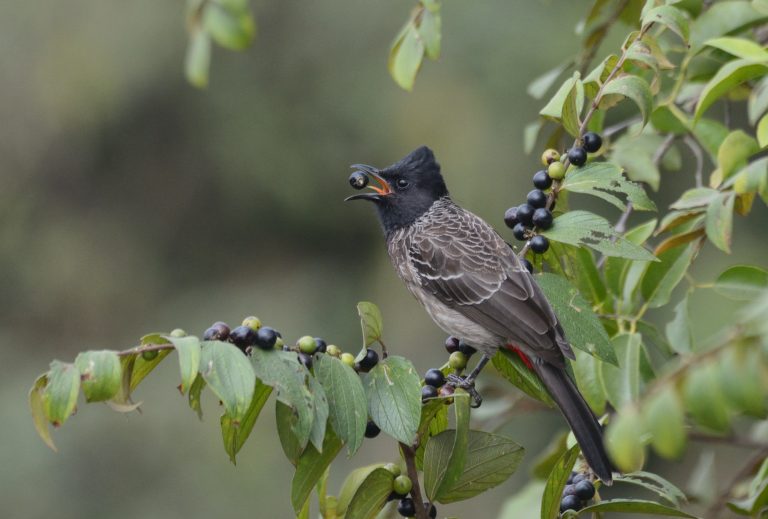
x=474, y=286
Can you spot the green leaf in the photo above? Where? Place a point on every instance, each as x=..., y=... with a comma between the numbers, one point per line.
x=586, y=275
x=553, y=491
x=654, y=483
x=670, y=119
x=37, y=408
x=511, y=367
x=286, y=421
x=371, y=321
x=622, y=382
x=394, y=398
x=739, y=47
x=710, y=134
x=670, y=17
x=189, y=352
x=194, y=395
x=198, y=59
x=633, y=87
x=679, y=331
x=446, y=453
x=752, y=179
x=582, y=327
x=742, y=379
x=723, y=18
x=405, y=57
x=603, y=179
x=320, y=418
x=730, y=75
x=541, y=85
x=545, y=461
x=623, y=276
x=733, y=153
x=754, y=503
x=142, y=367
x=371, y=495
x=100, y=374
x=348, y=407
x=664, y=417
x=661, y=278
x=566, y=104
x=720, y=221
x=430, y=30
x=624, y=440
x=232, y=29
x=311, y=467
x=235, y=433
x=586, y=371
x=757, y=104
x=434, y=420
x=742, y=282
x=490, y=460
x=229, y=375
x=586, y=228
x=705, y=400
x=696, y=197
x=762, y=132
x=350, y=485
x=525, y=503
x=634, y=506
x=59, y=396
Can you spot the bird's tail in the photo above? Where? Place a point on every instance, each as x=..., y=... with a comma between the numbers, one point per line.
x=579, y=416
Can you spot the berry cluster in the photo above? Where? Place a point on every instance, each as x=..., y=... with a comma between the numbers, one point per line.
x=401, y=486
x=534, y=213
x=577, y=492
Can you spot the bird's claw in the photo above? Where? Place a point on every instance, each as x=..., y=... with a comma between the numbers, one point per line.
x=468, y=385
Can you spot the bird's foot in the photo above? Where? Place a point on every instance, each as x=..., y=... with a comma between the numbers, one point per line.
x=468, y=385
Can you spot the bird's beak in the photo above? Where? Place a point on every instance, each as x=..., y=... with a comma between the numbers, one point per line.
x=381, y=191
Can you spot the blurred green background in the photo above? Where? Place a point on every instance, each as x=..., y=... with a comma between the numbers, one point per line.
x=132, y=203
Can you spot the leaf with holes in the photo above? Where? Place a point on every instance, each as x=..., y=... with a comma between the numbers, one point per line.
x=604, y=180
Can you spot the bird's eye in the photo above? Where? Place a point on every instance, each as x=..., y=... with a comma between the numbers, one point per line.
x=402, y=183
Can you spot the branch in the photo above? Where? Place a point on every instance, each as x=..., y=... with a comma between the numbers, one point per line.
x=731, y=440
x=148, y=347
x=410, y=463
x=696, y=150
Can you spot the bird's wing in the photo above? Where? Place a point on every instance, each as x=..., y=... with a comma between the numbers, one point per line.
x=466, y=265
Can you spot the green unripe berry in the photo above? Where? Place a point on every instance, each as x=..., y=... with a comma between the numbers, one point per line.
x=394, y=468
x=333, y=351
x=402, y=485
x=457, y=360
x=178, y=332
x=348, y=359
x=556, y=171
x=279, y=343
x=549, y=156
x=149, y=355
x=252, y=322
x=307, y=345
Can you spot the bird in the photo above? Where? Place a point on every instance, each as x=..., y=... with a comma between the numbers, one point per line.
x=474, y=287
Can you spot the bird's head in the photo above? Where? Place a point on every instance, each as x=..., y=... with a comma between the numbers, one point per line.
x=406, y=189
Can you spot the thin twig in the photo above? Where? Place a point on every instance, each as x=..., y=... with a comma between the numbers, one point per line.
x=699, y=156
x=619, y=126
x=748, y=468
x=661, y=150
x=410, y=463
x=147, y=347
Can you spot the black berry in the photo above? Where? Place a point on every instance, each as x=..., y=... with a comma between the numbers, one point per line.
x=321, y=345
x=218, y=331
x=578, y=477
x=569, y=490
x=539, y=244
x=525, y=214
x=369, y=361
x=519, y=231
x=434, y=378
x=431, y=510
x=466, y=349
x=428, y=392
x=577, y=156
x=406, y=507
x=452, y=344
x=592, y=142
x=536, y=198
x=542, y=218
x=371, y=429
x=541, y=180
x=570, y=503
x=584, y=490
x=266, y=338
x=305, y=359
x=510, y=217
x=570, y=477
x=528, y=265
x=242, y=337
x=358, y=180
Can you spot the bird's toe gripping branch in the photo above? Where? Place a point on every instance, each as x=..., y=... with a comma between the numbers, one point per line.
x=467, y=384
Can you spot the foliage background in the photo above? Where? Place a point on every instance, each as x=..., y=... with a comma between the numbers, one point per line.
x=133, y=202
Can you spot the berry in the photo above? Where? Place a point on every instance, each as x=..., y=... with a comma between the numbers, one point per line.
x=428, y=392
x=541, y=180
x=402, y=484
x=457, y=360
x=394, y=468
x=579, y=477
x=406, y=508
x=321, y=344
x=539, y=244
x=242, y=337
x=549, y=156
x=218, y=331
x=305, y=359
x=542, y=218
x=452, y=344
x=570, y=503
x=266, y=338
x=279, y=343
x=536, y=198
x=369, y=361
x=252, y=322
x=149, y=355
x=307, y=344
x=569, y=490
x=333, y=350
x=178, y=332
x=584, y=490
x=592, y=142
x=431, y=510
x=466, y=349
x=348, y=359
x=525, y=214
x=510, y=217
x=528, y=265
x=371, y=429
x=446, y=390
x=519, y=231
x=434, y=378
x=358, y=180
x=556, y=171
x=577, y=156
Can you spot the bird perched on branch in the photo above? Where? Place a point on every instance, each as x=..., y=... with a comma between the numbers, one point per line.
x=474, y=286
